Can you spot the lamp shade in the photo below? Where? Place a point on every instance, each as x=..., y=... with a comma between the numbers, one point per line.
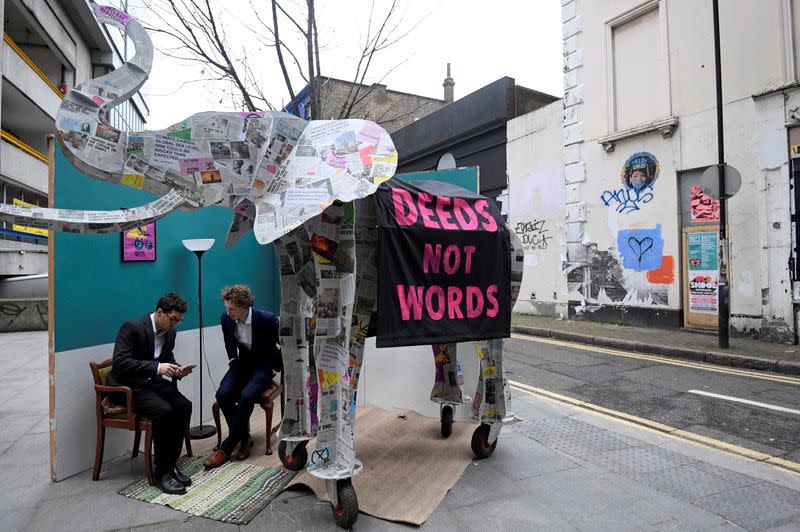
x=198, y=244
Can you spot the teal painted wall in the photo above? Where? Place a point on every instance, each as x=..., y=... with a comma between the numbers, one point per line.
x=94, y=291
x=467, y=178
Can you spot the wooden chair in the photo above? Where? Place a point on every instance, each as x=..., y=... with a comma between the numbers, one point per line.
x=128, y=419
x=267, y=402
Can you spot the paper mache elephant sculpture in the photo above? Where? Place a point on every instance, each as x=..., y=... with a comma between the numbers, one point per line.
x=310, y=188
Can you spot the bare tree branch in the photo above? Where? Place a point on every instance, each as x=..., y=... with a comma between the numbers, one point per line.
x=278, y=47
x=200, y=34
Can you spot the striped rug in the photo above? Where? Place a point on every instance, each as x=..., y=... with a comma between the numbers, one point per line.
x=232, y=493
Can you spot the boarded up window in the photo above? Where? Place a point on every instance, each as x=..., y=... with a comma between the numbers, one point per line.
x=638, y=71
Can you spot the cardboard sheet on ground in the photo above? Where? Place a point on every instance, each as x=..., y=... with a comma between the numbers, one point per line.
x=408, y=466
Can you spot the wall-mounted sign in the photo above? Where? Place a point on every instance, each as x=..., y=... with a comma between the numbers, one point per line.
x=703, y=269
x=139, y=243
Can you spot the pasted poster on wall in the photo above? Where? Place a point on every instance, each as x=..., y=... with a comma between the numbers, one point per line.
x=702, y=251
x=139, y=243
x=638, y=175
x=704, y=208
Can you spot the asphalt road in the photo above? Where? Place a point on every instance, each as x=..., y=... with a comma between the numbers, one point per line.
x=668, y=391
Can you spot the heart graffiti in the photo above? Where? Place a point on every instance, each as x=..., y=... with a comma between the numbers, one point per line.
x=640, y=246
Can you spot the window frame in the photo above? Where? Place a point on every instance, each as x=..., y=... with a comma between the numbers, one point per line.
x=616, y=22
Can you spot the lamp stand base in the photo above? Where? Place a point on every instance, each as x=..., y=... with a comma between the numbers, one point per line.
x=201, y=432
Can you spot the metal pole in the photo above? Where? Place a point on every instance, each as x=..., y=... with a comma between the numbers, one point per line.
x=723, y=288
x=201, y=431
x=200, y=308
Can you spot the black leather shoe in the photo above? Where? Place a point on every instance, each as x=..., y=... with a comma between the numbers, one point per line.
x=169, y=484
x=180, y=477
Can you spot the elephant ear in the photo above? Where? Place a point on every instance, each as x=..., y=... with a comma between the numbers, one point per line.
x=244, y=216
x=332, y=160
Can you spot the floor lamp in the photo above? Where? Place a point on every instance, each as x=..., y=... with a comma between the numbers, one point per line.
x=199, y=246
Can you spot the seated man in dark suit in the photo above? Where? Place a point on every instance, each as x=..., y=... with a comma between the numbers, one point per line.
x=142, y=358
x=251, y=338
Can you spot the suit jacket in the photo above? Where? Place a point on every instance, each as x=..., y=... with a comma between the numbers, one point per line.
x=134, y=363
x=264, y=341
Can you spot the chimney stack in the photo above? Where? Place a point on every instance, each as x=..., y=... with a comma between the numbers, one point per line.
x=448, y=86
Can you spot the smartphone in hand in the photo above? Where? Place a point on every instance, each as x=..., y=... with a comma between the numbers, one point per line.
x=185, y=370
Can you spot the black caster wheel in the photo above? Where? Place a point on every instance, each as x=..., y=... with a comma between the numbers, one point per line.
x=297, y=460
x=480, y=442
x=345, y=513
x=447, y=421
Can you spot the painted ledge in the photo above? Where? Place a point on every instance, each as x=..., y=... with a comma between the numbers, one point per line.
x=666, y=126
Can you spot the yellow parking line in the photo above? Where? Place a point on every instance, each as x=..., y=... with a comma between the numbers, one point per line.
x=660, y=428
x=663, y=360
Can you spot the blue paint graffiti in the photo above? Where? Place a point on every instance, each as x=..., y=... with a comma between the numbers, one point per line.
x=638, y=175
x=641, y=249
x=627, y=199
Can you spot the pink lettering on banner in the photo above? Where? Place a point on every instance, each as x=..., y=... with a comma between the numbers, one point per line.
x=469, y=250
x=434, y=301
x=454, y=297
x=98, y=100
x=431, y=260
x=474, y=302
x=400, y=196
x=444, y=216
x=437, y=291
x=482, y=206
x=427, y=214
x=451, y=264
x=462, y=207
x=490, y=295
x=410, y=303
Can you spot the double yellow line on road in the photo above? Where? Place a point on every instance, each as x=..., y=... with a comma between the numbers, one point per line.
x=786, y=379
x=654, y=426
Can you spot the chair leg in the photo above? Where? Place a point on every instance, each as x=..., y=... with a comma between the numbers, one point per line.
x=268, y=412
x=215, y=411
x=148, y=459
x=187, y=438
x=136, y=439
x=98, y=452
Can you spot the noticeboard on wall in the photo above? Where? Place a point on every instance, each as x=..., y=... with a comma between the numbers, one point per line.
x=700, y=272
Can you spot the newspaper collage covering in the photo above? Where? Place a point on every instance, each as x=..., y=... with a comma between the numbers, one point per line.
x=448, y=378
x=274, y=170
x=325, y=313
x=492, y=401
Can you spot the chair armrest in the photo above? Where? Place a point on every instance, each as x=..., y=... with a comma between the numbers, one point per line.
x=101, y=389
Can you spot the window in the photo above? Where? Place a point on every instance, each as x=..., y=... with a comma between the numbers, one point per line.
x=638, y=66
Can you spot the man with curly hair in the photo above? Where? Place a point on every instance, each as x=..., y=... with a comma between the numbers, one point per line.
x=251, y=341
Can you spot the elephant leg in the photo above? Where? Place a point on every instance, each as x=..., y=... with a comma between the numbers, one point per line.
x=489, y=404
x=299, y=409
x=332, y=238
x=492, y=402
x=448, y=377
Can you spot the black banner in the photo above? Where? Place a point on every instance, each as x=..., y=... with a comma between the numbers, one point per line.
x=444, y=265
